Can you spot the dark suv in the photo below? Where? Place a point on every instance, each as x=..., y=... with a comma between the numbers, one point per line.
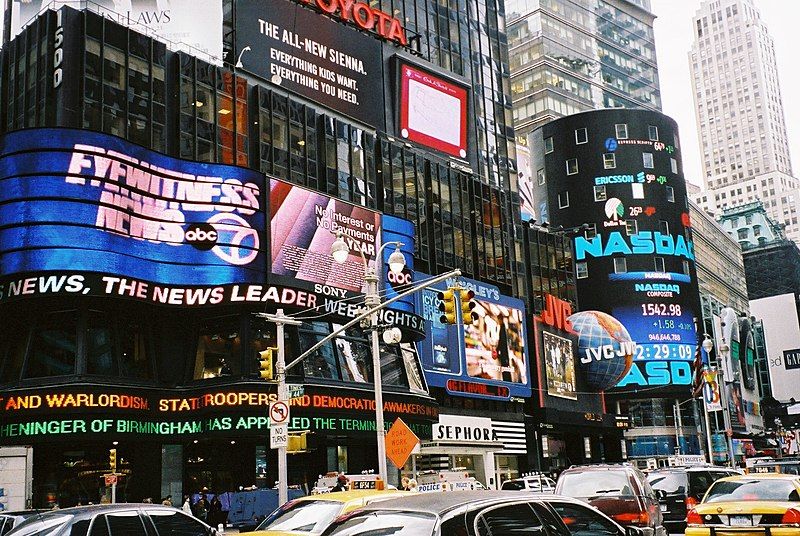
x=681, y=488
x=619, y=491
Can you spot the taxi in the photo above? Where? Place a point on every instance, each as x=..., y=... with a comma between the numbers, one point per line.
x=747, y=505
x=312, y=514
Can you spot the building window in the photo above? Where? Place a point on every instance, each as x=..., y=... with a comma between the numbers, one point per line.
x=686, y=267
x=620, y=265
x=581, y=136
x=540, y=176
x=652, y=132
x=673, y=165
x=548, y=145
x=663, y=227
x=219, y=349
x=53, y=345
x=581, y=270
x=600, y=193
x=742, y=233
x=591, y=231
x=622, y=131
x=670, y=194
x=563, y=200
x=659, y=264
x=647, y=160
x=572, y=166
x=756, y=230
x=609, y=161
x=631, y=227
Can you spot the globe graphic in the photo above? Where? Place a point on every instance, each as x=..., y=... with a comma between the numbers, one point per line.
x=597, y=330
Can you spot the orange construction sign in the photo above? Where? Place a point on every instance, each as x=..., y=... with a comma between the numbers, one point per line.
x=400, y=441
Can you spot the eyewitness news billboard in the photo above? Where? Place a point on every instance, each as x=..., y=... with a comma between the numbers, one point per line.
x=103, y=216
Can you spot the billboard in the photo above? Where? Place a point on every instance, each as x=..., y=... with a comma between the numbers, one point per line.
x=433, y=110
x=304, y=224
x=559, y=359
x=77, y=202
x=487, y=359
x=312, y=55
x=187, y=25
x=779, y=317
x=618, y=172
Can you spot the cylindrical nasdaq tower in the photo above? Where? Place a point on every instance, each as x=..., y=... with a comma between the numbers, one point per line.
x=616, y=175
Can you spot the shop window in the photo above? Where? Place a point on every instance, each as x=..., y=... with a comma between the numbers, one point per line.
x=652, y=132
x=548, y=145
x=53, y=345
x=631, y=227
x=673, y=165
x=620, y=265
x=659, y=264
x=609, y=161
x=540, y=178
x=621, y=130
x=600, y=193
x=581, y=136
x=686, y=267
x=670, y=194
x=581, y=270
x=101, y=358
x=563, y=200
x=218, y=349
x=647, y=160
x=591, y=231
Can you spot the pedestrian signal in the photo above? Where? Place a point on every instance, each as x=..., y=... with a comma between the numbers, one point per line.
x=447, y=306
x=265, y=368
x=467, y=306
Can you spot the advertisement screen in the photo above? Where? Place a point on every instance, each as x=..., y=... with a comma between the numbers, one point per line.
x=304, y=225
x=188, y=25
x=487, y=359
x=82, y=201
x=433, y=111
x=559, y=359
x=312, y=55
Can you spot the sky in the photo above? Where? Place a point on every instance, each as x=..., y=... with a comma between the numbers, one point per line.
x=673, y=33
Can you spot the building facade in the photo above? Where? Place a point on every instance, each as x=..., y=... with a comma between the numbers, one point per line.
x=569, y=56
x=739, y=112
x=170, y=171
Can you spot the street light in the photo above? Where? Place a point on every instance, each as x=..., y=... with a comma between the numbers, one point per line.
x=340, y=252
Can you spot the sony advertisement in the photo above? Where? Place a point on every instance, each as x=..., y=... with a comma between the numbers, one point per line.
x=636, y=260
x=90, y=202
x=304, y=225
x=188, y=25
x=433, y=111
x=485, y=359
x=312, y=55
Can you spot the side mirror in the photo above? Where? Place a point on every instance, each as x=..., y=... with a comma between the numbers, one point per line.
x=634, y=531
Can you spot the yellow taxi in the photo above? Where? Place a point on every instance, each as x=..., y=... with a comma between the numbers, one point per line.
x=312, y=514
x=744, y=505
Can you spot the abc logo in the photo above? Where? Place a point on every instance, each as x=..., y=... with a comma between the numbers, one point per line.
x=203, y=236
x=403, y=278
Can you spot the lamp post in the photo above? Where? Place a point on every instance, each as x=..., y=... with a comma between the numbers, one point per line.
x=708, y=345
x=341, y=252
x=723, y=392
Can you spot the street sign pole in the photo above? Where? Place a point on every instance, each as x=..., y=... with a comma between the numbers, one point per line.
x=114, y=492
x=280, y=321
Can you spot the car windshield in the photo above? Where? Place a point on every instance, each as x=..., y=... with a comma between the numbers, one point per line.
x=752, y=490
x=669, y=482
x=303, y=516
x=590, y=483
x=42, y=526
x=385, y=523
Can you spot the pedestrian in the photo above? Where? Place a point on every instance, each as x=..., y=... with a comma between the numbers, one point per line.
x=167, y=500
x=215, y=513
x=187, y=505
x=201, y=509
x=341, y=483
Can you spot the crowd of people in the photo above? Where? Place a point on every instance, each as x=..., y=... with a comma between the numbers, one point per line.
x=207, y=508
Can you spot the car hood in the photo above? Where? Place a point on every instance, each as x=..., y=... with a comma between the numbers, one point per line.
x=745, y=507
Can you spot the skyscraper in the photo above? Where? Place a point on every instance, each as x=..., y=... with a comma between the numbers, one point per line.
x=739, y=113
x=570, y=56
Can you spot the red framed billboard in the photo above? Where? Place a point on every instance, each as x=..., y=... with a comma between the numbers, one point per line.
x=433, y=111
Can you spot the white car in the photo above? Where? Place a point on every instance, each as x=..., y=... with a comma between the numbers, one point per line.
x=534, y=483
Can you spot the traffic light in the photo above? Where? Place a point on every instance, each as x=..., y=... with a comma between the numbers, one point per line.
x=112, y=459
x=467, y=305
x=447, y=306
x=265, y=370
